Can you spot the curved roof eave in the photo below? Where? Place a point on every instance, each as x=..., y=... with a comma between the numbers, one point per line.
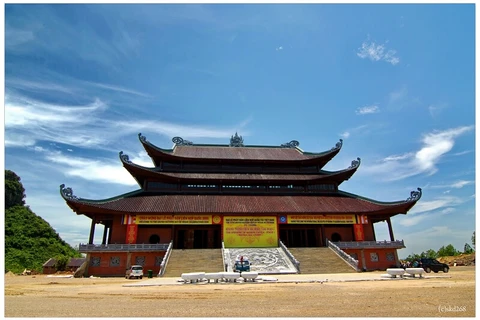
x=406, y=205
x=154, y=151
x=344, y=174
x=67, y=195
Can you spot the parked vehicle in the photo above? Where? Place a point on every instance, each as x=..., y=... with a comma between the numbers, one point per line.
x=135, y=271
x=429, y=265
x=241, y=264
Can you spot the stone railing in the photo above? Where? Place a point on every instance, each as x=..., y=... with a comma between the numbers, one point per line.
x=370, y=244
x=290, y=256
x=85, y=248
x=347, y=258
x=165, y=259
x=226, y=259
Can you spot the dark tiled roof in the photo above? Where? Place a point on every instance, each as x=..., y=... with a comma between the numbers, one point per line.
x=50, y=263
x=245, y=153
x=75, y=262
x=239, y=204
x=242, y=176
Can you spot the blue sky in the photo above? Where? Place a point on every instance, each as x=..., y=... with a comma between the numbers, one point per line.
x=395, y=82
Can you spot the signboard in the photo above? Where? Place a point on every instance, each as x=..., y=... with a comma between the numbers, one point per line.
x=173, y=219
x=250, y=232
x=321, y=219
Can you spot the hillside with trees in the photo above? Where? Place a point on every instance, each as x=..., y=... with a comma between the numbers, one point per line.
x=448, y=254
x=29, y=240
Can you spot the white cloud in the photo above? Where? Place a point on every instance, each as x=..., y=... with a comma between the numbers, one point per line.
x=457, y=184
x=345, y=134
x=440, y=202
x=279, y=48
x=367, y=109
x=117, y=88
x=398, y=157
x=28, y=121
x=106, y=171
x=435, y=145
x=377, y=52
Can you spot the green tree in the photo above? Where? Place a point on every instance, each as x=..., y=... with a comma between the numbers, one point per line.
x=430, y=253
x=62, y=262
x=447, y=251
x=29, y=240
x=473, y=240
x=14, y=191
x=467, y=248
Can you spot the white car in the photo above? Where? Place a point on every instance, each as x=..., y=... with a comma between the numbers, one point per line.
x=135, y=271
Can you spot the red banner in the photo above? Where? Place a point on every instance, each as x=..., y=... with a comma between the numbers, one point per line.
x=358, y=230
x=132, y=233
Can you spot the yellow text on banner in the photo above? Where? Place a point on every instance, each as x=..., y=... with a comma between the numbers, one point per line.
x=173, y=219
x=250, y=232
x=321, y=219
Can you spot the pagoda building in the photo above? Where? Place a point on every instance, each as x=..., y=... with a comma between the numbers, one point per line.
x=199, y=196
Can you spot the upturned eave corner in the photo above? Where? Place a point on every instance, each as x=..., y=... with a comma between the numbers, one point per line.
x=415, y=195
x=67, y=193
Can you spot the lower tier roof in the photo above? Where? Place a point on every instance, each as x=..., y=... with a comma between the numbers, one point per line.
x=140, y=203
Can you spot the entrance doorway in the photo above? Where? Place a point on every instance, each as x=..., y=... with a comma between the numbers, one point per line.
x=294, y=237
x=197, y=238
x=200, y=239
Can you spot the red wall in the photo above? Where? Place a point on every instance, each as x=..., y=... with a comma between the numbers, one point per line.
x=106, y=270
x=346, y=232
x=119, y=230
x=144, y=233
x=381, y=264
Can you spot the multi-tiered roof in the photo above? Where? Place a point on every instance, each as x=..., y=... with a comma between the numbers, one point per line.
x=238, y=179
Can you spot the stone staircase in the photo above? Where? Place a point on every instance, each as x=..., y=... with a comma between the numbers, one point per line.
x=193, y=260
x=320, y=260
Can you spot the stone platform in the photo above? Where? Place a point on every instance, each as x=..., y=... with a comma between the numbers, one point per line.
x=262, y=260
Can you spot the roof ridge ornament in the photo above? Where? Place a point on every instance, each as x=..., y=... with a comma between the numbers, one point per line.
x=142, y=138
x=355, y=163
x=67, y=193
x=180, y=142
x=291, y=144
x=124, y=157
x=236, y=141
x=415, y=195
x=338, y=145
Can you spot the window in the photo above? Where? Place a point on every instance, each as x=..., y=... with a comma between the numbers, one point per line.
x=390, y=256
x=114, y=261
x=161, y=185
x=158, y=260
x=140, y=260
x=95, y=262
x=373, y=257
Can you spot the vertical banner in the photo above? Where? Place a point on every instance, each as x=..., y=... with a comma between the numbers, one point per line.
x=131, y=233
x=250, y=232
x=358, y=230
x=362, y=219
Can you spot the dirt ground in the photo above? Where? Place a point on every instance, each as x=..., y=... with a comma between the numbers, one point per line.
x=39, y=296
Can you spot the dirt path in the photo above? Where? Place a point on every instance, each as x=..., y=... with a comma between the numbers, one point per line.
x=27, y=296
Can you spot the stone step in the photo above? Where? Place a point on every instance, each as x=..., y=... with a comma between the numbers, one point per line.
x=320, y=260
x=194, y=260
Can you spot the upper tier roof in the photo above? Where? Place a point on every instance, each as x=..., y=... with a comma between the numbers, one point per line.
x=289, y=152
x=140, y=173
x=138, y=202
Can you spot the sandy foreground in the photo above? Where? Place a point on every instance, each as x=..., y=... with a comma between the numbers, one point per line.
x=39, y=296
